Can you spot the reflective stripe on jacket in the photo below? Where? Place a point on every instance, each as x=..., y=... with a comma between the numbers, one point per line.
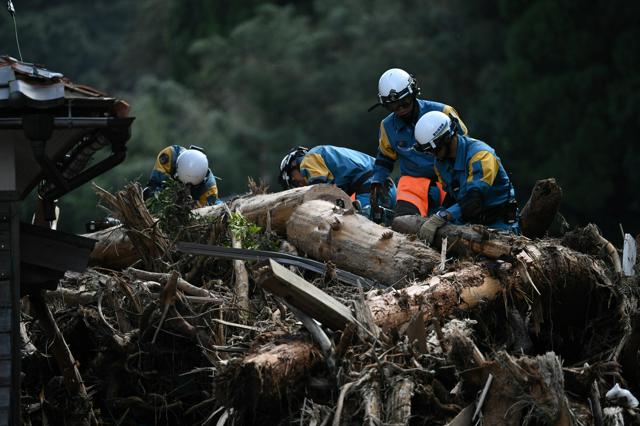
x=346, y=168
x=395, y=142
x=476, y=166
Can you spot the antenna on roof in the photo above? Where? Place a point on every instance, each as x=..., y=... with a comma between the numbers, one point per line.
x=12, y=12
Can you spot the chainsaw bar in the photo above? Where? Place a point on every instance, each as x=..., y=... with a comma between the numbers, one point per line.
x=284, y=258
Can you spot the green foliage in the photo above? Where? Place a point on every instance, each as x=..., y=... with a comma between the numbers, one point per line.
x=248, y=232
x=74, y=37
x=172, y=205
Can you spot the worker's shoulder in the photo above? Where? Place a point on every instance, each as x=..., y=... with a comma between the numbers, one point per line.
x=428, y=106
x=172, y=150
x=388, y=120
x=474, y=146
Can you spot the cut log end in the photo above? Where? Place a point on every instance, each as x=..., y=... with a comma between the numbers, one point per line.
x=541, y=208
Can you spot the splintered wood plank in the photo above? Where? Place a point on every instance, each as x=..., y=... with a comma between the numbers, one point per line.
x=306, y=297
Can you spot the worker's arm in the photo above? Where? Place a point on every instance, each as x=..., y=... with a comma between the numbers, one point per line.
x=161, y=170
x=210, y=195
x=482, y=170
x=315, y=170
x=385, y=159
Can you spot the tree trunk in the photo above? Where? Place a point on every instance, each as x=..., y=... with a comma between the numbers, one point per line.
x=535, y=218
x=527, y=386
x=437, y=296
x=272, y=211
x=371, y=404
x=113, y=249
x=266, y=376
x=538, y=213
x=356, y=244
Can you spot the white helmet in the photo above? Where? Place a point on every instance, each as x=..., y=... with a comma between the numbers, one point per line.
x=395, y=84
x=192, y=166
x=430, y=127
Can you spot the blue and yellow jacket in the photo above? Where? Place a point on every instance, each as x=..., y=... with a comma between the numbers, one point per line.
x=396, y=139
x=476, y=166
x=348, y=169
x=205, y=193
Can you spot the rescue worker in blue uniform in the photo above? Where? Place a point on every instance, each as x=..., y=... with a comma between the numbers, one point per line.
x=188, y=165
x=417, y=191
x=471, y=174
x=346, y=168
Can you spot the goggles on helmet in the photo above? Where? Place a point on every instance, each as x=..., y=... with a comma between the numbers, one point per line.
x=394, y=96
x=393, y=106
x=288, y=164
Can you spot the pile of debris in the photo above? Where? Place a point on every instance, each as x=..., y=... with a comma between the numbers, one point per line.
x=492, y=328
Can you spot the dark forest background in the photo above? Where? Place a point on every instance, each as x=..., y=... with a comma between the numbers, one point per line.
x=552, y=85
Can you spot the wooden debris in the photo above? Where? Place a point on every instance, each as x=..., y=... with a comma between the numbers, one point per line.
x=183, y=285
x=371, y=403
x=116, y=247
x=460, y=290
x=129, y=207
x=151, y=347
x=541, y=208
x=241, y=285
x=306, y=297
x=113, y=249
x=267, y=375
x=83, y=414
x=399, y=401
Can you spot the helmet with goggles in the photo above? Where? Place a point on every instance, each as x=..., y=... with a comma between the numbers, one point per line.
x=289, y=163
x=396, y=88
x=433, y=130
x=394, y=85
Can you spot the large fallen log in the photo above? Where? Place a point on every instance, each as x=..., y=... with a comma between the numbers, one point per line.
x=438, y=296
x=272, y=211
x=352, y=242
x=536, y=216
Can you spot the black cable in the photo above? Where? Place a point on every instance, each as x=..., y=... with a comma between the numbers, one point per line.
x=12, y=12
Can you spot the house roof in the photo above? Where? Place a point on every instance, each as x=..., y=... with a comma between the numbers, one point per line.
x=34, y=100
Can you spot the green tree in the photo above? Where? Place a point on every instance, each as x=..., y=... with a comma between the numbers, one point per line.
x=572, y=70
x=550, y=84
